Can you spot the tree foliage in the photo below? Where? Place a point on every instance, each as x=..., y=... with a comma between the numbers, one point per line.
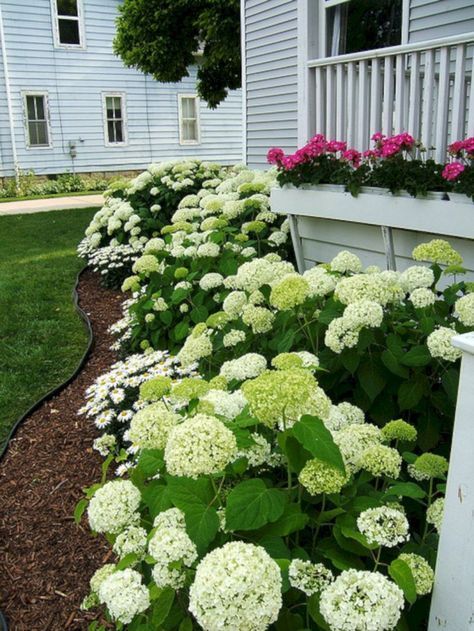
x=162, y=38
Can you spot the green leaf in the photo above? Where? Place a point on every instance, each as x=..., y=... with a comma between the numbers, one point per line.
x=199, y=314
x=156, y=497
x=370, y=379
x=251, y=505
x=450, y=383
x=403, y=577
x=185, y=492
x=161, y=607
x=395, y=345
x=181, y=330
x=350, y=359
x=288, y=621
x=127, y=561
x=186, y=625
x=417, y=356
x=411, y=392
x=151, y=461
x=341, y=559
x=296, y=454
x=275, y=546
x=178, y=295
x=311, y=432
x=390, y=361
x=406, y=489
x=286, y=341
x=166, y=317
x=284, y=565
x=313, y=610
x=292, y=520
x=79, y=510
x=202, y=525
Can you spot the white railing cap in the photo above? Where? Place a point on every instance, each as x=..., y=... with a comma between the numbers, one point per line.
x=464, y=38
x=465, y=342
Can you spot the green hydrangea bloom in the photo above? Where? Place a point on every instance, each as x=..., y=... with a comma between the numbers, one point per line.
x=428, y=466
x=155, y=389
x=437, y=251
x=399, y=430
x=190, y=388
x=146, y=264
x=218, y=320
x=319, y=477
x=380, y=460
x=290, y=292
x=181, y=272
x=131, y=283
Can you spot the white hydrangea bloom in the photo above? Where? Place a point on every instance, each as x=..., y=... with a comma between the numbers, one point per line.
x=211, y=281
x=124, y=595
x=384, y=525
x=440, y=344
x=233, y=337
x=172, y=549
x=201, y=445
x=415, y=277
x=361, y=601
x=308, y=577
x=343, y=415
x=132, y=540
x=353, y=440
x=320, y=282
x=227, y=404
x=464, y=309
x=248, y=366
x=114, y=507
x=346, y=262
x=234, y=303
x=150, y=426
x=422, y=297
x=236, y=587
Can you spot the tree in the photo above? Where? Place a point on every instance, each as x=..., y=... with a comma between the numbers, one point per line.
x=162, y=38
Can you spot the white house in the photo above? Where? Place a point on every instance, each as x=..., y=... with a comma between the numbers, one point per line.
x=67, y=103
x=348, y=68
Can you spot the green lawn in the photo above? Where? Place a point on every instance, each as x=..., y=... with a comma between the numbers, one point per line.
x=41, y=336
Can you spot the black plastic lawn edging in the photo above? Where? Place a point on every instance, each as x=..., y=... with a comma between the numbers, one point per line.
x=57, y=389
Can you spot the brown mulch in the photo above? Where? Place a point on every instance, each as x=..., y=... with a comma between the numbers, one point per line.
x=45, y=559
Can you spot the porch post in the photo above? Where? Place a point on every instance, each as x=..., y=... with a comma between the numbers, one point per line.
x=452, y=607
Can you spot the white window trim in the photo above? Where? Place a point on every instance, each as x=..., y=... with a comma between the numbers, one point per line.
x=123, y=96
x=80, y=19
x=180, y=119
x=327, y=4
x=45, y=95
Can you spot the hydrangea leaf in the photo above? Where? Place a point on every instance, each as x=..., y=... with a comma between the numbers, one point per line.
x=79, y=510
x=181, y=330
x=161, y=607
x=151, y=461
x=403, y=577
x=406, y=489
x=411, y=392
x=391, y=362
x=202, y=524
x=311, y=432
x=417, y=356
x=313, y=610
x=371, y=379
x=157, y=498
x=251, y=505
x=292, y=520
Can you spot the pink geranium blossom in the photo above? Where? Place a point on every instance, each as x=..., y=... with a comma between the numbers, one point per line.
x=275, y=155
x=353, y=156
x=452, y=171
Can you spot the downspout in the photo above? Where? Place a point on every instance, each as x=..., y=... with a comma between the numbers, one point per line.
x=9, y=101
x=243, y=54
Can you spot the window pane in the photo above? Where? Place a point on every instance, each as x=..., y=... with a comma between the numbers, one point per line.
x=30, y=106
x=67, y=7
x=189, y=130
x=117, y=106
x=69, y=32
x=38, y=133
x=118, y=131
x=111, y=131
x=361, y=25
x=188, y=108
x=39, y=107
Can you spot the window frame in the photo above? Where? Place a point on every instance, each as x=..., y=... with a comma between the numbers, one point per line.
x=80, y=20
x=123, y=105
x=322, y=24
x=197, y=118
x=45, y=95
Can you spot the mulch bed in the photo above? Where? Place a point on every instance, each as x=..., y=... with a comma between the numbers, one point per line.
x=45, y=559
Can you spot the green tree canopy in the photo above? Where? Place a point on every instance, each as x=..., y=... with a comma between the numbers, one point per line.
x=162, y=37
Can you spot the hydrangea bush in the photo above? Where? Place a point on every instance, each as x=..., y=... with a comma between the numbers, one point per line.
x=179, y=279
x=264, y=503
x=383, y=339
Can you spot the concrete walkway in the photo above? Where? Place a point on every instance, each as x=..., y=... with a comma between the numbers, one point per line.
x=53, y=203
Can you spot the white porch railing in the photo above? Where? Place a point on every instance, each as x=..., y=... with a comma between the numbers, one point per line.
x=424, y=89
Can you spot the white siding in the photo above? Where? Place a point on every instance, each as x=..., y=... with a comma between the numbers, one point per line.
x=431, y=19
x=271, y=77
x=75, y=80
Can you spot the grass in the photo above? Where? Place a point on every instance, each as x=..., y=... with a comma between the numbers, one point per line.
x=25, y=198
x=41, y=336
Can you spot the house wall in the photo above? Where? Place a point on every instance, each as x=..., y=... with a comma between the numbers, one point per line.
x=271, y=46
x=75, y=80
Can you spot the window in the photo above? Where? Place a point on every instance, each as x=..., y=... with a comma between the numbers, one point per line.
x=114, y=119
x=189, y=132
x=68, y=30
x=37, y=120
x=357, y=25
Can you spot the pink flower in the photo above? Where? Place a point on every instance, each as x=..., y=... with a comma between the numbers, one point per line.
x=452, y=171
x=378, y=136
x=275, y=155
x=353, y=156
x=468, y=145
x=390, y=148
x=336, y=145
x=371, y=153
x=456, y=147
